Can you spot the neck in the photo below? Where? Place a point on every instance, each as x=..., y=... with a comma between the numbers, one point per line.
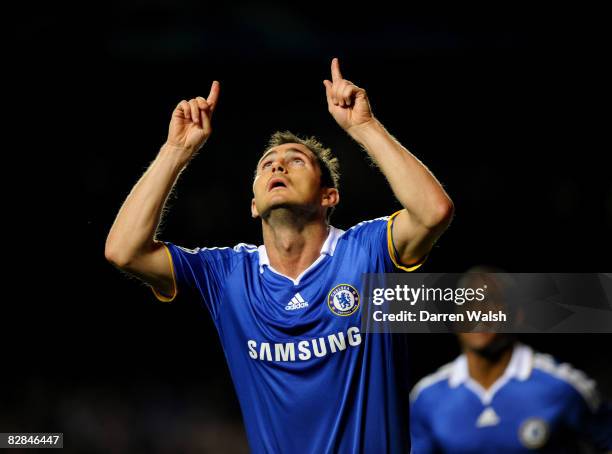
x=485, y=370
x=293, y=242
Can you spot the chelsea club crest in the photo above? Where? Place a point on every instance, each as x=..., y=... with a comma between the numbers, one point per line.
x=343, y=300
x=533, y=433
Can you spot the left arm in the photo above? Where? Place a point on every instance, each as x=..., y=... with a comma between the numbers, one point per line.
x=588, y=415
x=428, y=210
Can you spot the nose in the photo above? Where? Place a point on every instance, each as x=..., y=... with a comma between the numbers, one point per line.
x=277, y=166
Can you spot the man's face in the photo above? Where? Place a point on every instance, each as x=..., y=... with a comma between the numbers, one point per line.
x=289, y=175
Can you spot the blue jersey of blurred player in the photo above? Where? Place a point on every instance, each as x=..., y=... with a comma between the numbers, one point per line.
x=500, y=396
x=287, y=312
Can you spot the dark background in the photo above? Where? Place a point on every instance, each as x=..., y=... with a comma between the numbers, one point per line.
x=503, y=105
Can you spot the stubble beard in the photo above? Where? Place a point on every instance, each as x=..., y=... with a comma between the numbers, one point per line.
x=289, y=215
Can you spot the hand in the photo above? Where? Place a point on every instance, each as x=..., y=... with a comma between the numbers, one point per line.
x=190, y=124
x=347, y=103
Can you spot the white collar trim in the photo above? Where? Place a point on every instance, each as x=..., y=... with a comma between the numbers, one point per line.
x=519, y=367
x=328, y=248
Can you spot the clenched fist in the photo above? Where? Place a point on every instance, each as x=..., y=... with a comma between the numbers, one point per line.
x=190, y=124
x=347, y=102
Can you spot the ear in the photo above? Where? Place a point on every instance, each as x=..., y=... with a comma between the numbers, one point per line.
x=254, y=212
x=330, y=197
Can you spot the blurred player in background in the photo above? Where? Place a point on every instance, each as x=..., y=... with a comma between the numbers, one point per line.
x=288, y=312
x=500, y=396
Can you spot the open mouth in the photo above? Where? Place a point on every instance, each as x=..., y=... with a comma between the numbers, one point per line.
x=276, y=183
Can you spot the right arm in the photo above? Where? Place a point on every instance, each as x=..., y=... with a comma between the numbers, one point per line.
x=131, y=245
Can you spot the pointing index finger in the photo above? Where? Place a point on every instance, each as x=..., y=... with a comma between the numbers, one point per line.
x=335, y=70
x=213, y=96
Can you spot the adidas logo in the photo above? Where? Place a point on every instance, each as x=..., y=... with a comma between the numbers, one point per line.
x=297, y=302
x=487, y=418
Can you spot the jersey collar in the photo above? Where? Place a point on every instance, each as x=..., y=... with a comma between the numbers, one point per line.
x=519, y=367
x=328, y=248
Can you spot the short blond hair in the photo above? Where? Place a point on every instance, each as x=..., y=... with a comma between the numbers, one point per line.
x=328, y=163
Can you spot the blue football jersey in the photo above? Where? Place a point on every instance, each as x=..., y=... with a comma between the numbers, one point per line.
x=307, y=379
x=537, y=405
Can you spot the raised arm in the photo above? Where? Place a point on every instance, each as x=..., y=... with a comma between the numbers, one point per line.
x=428, y=210
x=131, y=244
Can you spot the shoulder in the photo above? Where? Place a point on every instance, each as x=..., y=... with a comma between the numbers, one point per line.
x=366, y=229
x=565, y=380
x=370, y=223
x=215, y=253
x=433, y=383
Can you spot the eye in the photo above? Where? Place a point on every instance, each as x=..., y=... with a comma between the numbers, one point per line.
x=297, y=161
x=266, y=164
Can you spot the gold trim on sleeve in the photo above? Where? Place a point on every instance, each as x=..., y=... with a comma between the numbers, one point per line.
x=391, y=249
x=158, y=295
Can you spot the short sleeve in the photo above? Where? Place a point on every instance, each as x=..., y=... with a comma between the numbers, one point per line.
x=201, y=270
x=376, y=235
x=591, y=419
